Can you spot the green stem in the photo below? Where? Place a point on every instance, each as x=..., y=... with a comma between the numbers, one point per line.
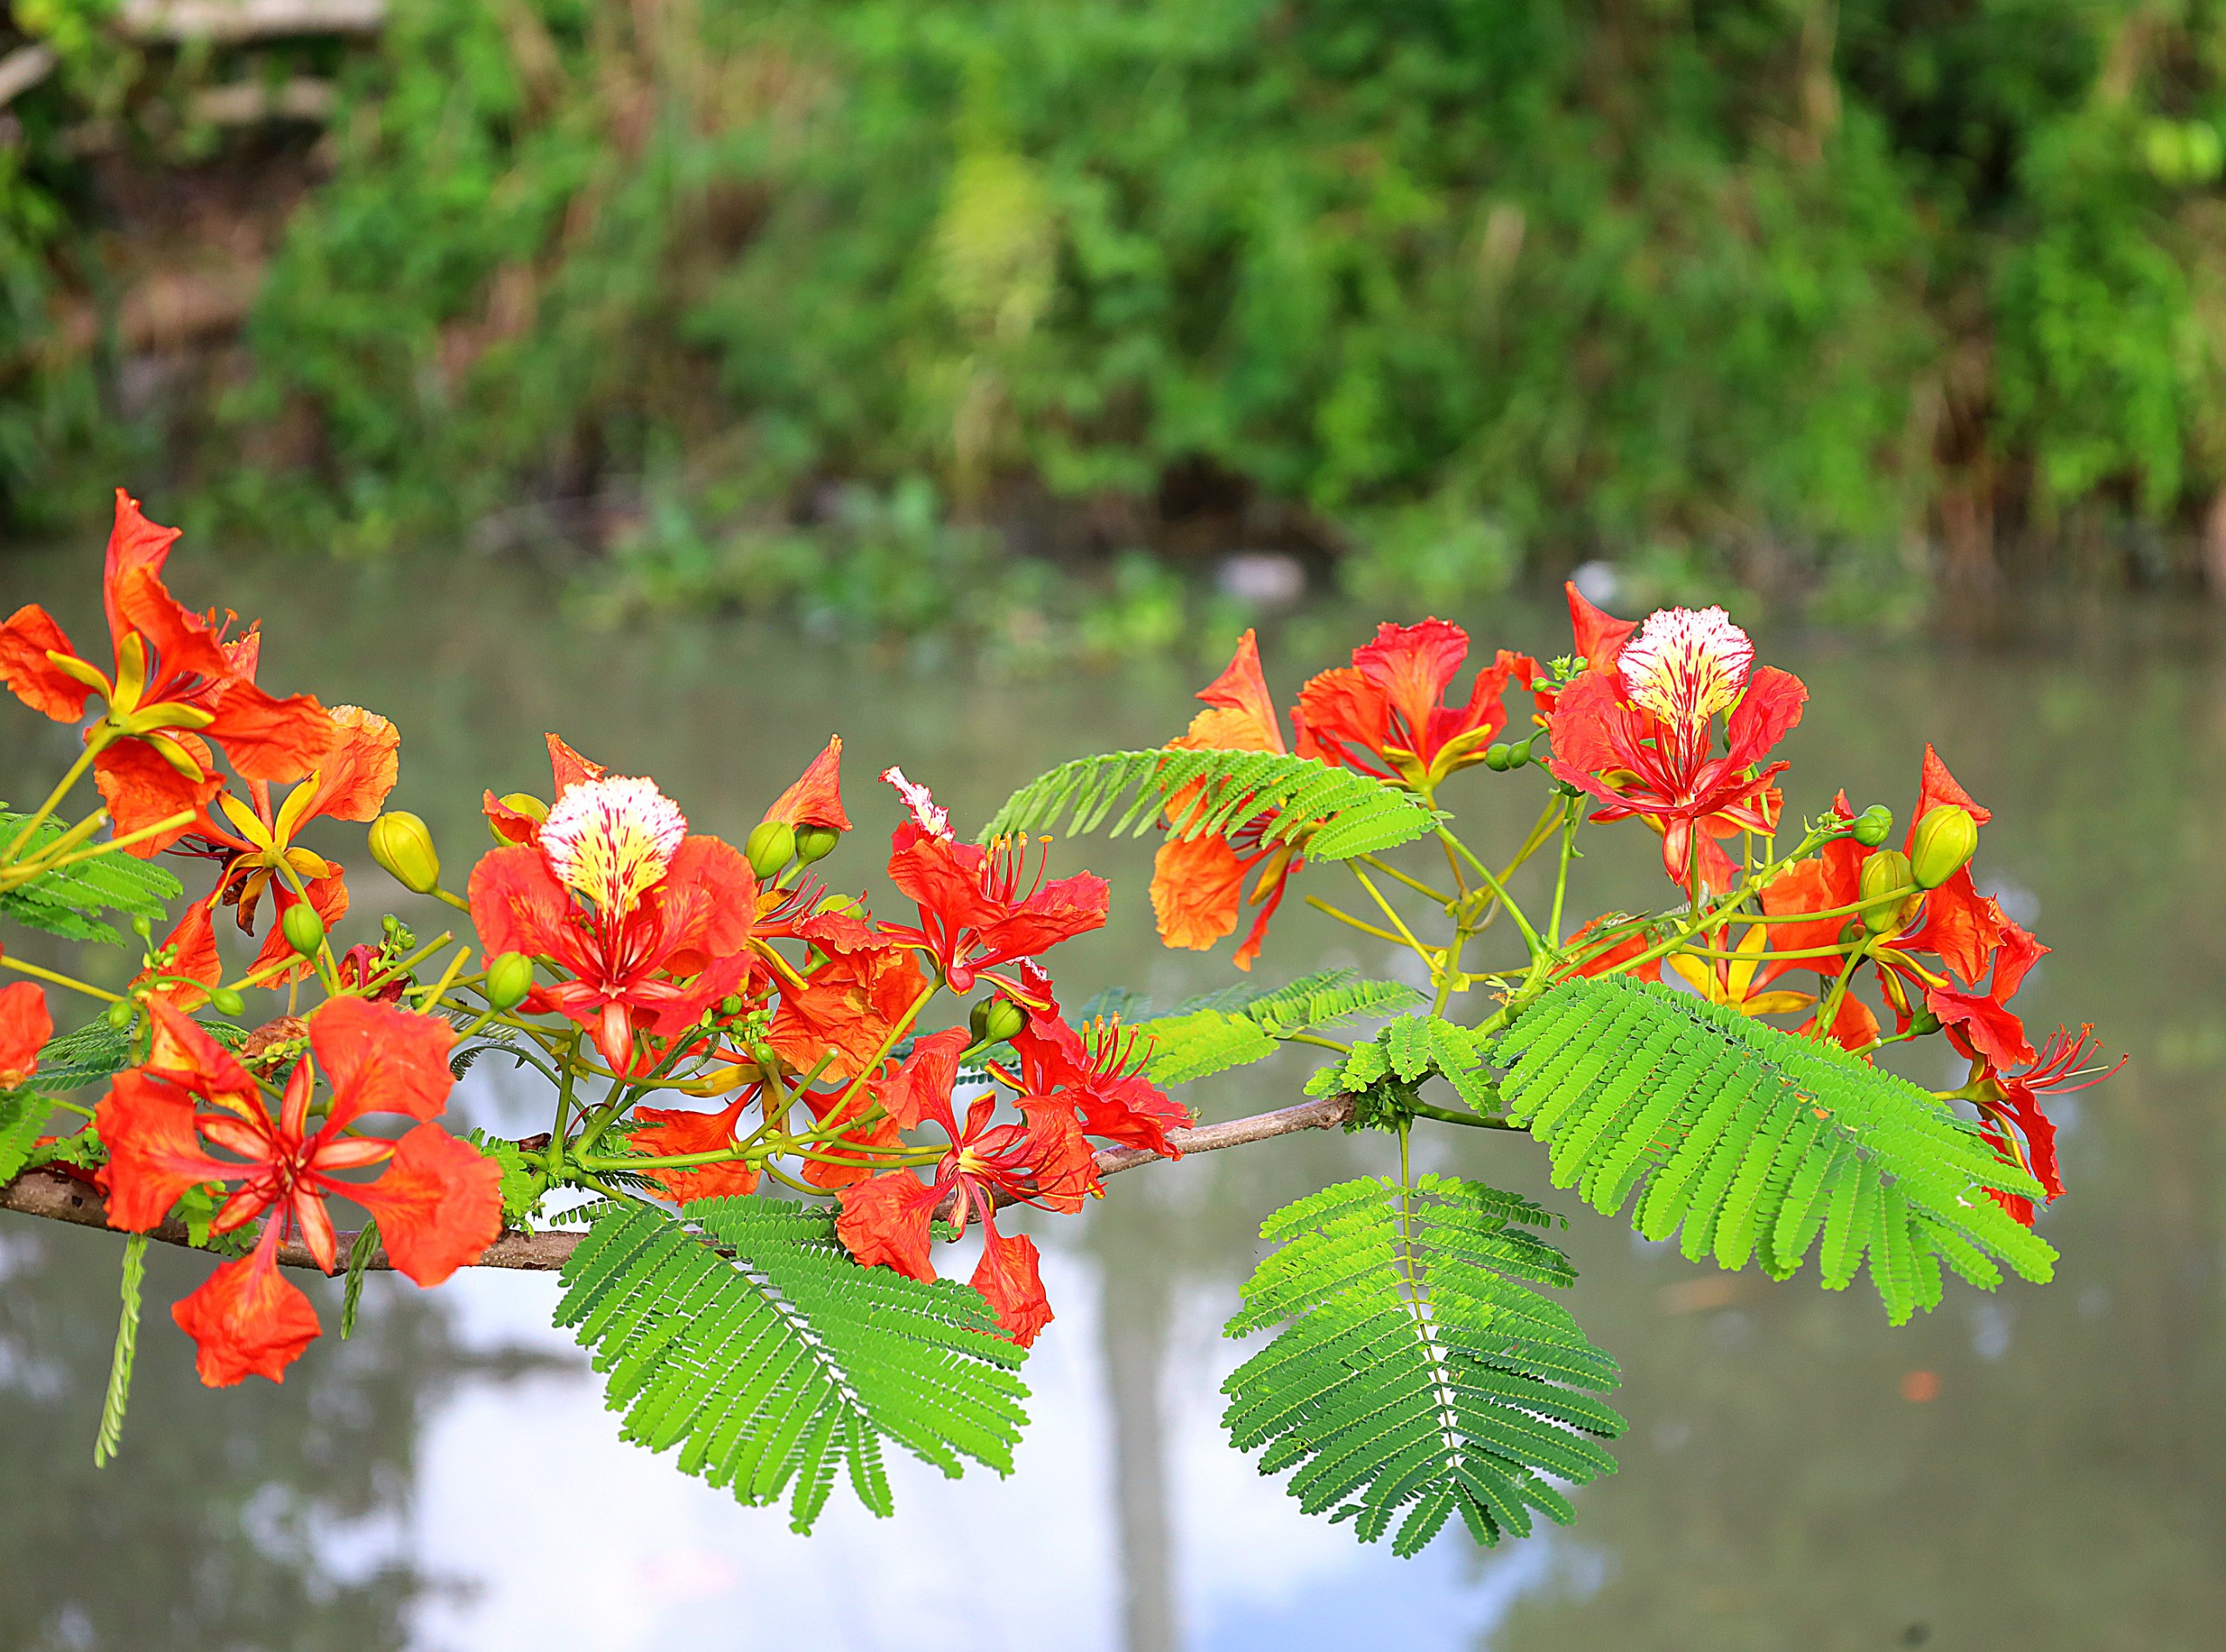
x=1571, y=815
x=1362, y=924
x=1473, y=1121
x=432, y=995
x=402, y=967
x=1391, y=912
x=94, y=744
x=71, y=982
x=1499, y=891
x=1414, y=883
x=556, y=1160
x=1828, y=1012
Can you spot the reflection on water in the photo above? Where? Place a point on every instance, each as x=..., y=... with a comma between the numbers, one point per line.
x=431, y=1484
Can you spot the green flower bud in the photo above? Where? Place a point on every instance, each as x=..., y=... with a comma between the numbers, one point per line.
x=120, y=1014
x=816, y=844
x=1883, y=874
x=1497, y=758
x=1945, y=840
x=508, y=979
x=402, y=844
x=1874, y=826
x=1923, y=1022
x=303, y=929
x=995, y=1020
x=732, y=1005
x=225, y=1002
x=1518, y=754
x=770, y=845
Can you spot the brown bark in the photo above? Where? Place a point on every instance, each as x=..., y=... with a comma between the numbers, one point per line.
x=51, y=1194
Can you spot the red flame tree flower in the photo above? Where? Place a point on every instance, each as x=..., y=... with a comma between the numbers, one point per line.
x=1641, y=739
x=645, y=924
x=177, y=686
x=436, y=1200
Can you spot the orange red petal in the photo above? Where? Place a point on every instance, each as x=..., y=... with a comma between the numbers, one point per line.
x=850, y=1004
x=25, y=641
x=1197, y=889
x=154, y=1153
x=382, y=1058
x=815, y=798
x=246, y=1320
x=438, y=1203
x=194, y=955
x=885, y=1224
x=1009, y=1279
x=26, y=1025
x=360, y=769
x=141, y=789
x=1242, y=688
x=660, y=1131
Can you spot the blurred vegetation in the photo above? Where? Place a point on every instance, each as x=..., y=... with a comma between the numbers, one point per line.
x=892, y=314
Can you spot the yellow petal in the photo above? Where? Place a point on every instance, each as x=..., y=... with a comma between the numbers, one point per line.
x=307, y=864
x=296, y=806
x=244, y=820
x=1695, y=971
x=1741, y=976
x=1776, y=1003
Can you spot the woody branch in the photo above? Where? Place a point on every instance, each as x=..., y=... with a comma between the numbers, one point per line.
x=58, y=1197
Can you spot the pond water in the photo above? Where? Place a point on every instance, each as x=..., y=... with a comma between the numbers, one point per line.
x=448, y=1479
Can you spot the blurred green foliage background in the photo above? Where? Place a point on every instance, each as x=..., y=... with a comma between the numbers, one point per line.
x=890, y=312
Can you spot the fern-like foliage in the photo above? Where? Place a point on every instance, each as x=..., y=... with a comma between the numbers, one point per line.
x=1415, y=1375
x=88, y=1054
x=22, y=1115
x=1394, y=1063
x=779, y=1364
x=1757, y=1143
x=1237, y=1026
x=70, y=902
x=1359, y=813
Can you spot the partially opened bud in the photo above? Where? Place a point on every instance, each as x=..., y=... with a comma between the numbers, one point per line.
x=1944, y=842
x=518, y=802
x=770, y=845
x=508, y=979
x=303, y=929
x=1884, y=873
x=1873, y=825
x=816, y=844
x=402, y=844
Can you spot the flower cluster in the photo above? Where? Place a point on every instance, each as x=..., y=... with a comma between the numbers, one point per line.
x=785, y=1032
x=1670, y=723
x=712, y=1017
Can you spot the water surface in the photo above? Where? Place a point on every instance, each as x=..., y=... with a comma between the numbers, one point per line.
x=449, y=1478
